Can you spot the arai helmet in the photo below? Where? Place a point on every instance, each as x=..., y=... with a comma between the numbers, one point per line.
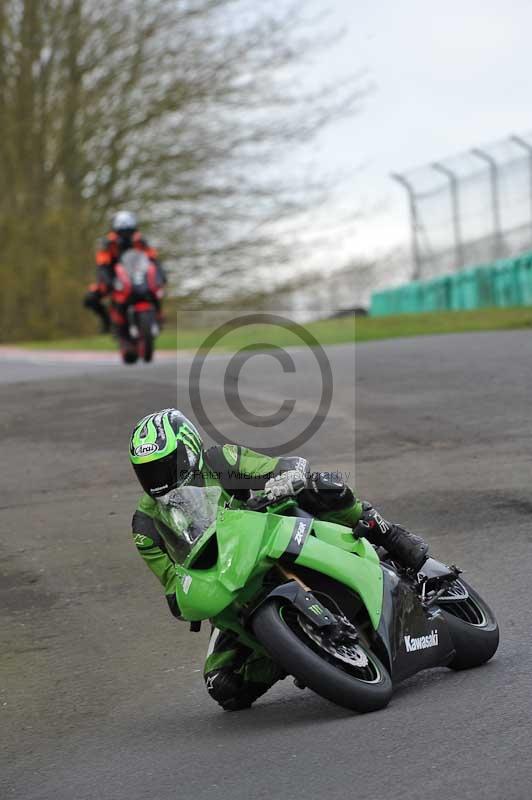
x=165, y=450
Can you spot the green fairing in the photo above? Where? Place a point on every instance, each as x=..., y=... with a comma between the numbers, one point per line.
x=360, y=572
x=249, y=543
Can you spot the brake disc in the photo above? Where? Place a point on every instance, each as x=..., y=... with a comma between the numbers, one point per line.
x=350, y=653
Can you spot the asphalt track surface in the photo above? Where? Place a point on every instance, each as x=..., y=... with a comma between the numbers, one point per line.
x=101, y=690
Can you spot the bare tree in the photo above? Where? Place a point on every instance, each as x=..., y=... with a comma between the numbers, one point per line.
x=184, y=110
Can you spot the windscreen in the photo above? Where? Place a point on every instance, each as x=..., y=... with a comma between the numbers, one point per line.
x=187, y=512
x=136, y=265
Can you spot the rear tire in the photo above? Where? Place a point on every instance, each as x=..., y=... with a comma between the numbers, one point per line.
x=317, y=669
x=473, y=628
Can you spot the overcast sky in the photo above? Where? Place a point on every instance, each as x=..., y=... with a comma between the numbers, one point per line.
x=447, y=77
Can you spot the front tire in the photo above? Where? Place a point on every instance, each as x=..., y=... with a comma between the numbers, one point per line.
x=473, y=628
x=275, y=625
x=128, y=351
x=146, y=320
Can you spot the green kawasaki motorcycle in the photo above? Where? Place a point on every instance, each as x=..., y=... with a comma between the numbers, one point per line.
x=343, y=621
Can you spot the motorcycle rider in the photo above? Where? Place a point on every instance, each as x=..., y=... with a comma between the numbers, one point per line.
x=123, y=236
x=167, y=453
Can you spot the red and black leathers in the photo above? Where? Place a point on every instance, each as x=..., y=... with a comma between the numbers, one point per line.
x=107, y=257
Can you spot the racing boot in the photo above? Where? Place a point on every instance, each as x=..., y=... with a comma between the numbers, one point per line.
x=402, y=546
x=93, y=301
x=105, y=324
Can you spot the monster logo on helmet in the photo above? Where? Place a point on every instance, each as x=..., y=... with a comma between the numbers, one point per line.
x=165, y=449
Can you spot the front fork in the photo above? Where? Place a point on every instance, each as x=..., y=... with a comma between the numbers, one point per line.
x=336, y=627
x=132, y=325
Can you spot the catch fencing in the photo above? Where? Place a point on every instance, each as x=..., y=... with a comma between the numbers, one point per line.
x=470, y=209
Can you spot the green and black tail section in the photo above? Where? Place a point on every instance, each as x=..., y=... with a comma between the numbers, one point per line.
x=409, y=637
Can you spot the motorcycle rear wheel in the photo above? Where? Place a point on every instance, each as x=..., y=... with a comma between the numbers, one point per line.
x=473, y=628
x=277, y=626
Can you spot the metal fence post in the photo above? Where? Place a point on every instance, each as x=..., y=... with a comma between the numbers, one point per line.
x=414, y=222
x=528, y=147
x=455, y=202
x=494, y=180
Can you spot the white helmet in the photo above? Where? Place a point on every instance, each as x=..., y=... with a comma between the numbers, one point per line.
x=124, y=221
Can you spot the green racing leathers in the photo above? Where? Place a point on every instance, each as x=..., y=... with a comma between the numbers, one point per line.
x=234, y=675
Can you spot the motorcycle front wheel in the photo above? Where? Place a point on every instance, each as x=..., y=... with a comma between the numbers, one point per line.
x=146, y=320
x=128, y=351
x=350, y=676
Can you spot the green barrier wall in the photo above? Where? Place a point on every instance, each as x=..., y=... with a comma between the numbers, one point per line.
x=505, y=283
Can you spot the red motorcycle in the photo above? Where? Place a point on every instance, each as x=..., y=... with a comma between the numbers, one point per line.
x=136, y=297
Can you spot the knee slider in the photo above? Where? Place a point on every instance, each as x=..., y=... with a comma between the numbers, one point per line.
x=245, y=697
x=223, y=686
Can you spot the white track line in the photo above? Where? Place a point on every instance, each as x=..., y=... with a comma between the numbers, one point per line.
x=101, y=358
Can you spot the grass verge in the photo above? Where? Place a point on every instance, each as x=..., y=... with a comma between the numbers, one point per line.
x=331, y=331
x=440, y=322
